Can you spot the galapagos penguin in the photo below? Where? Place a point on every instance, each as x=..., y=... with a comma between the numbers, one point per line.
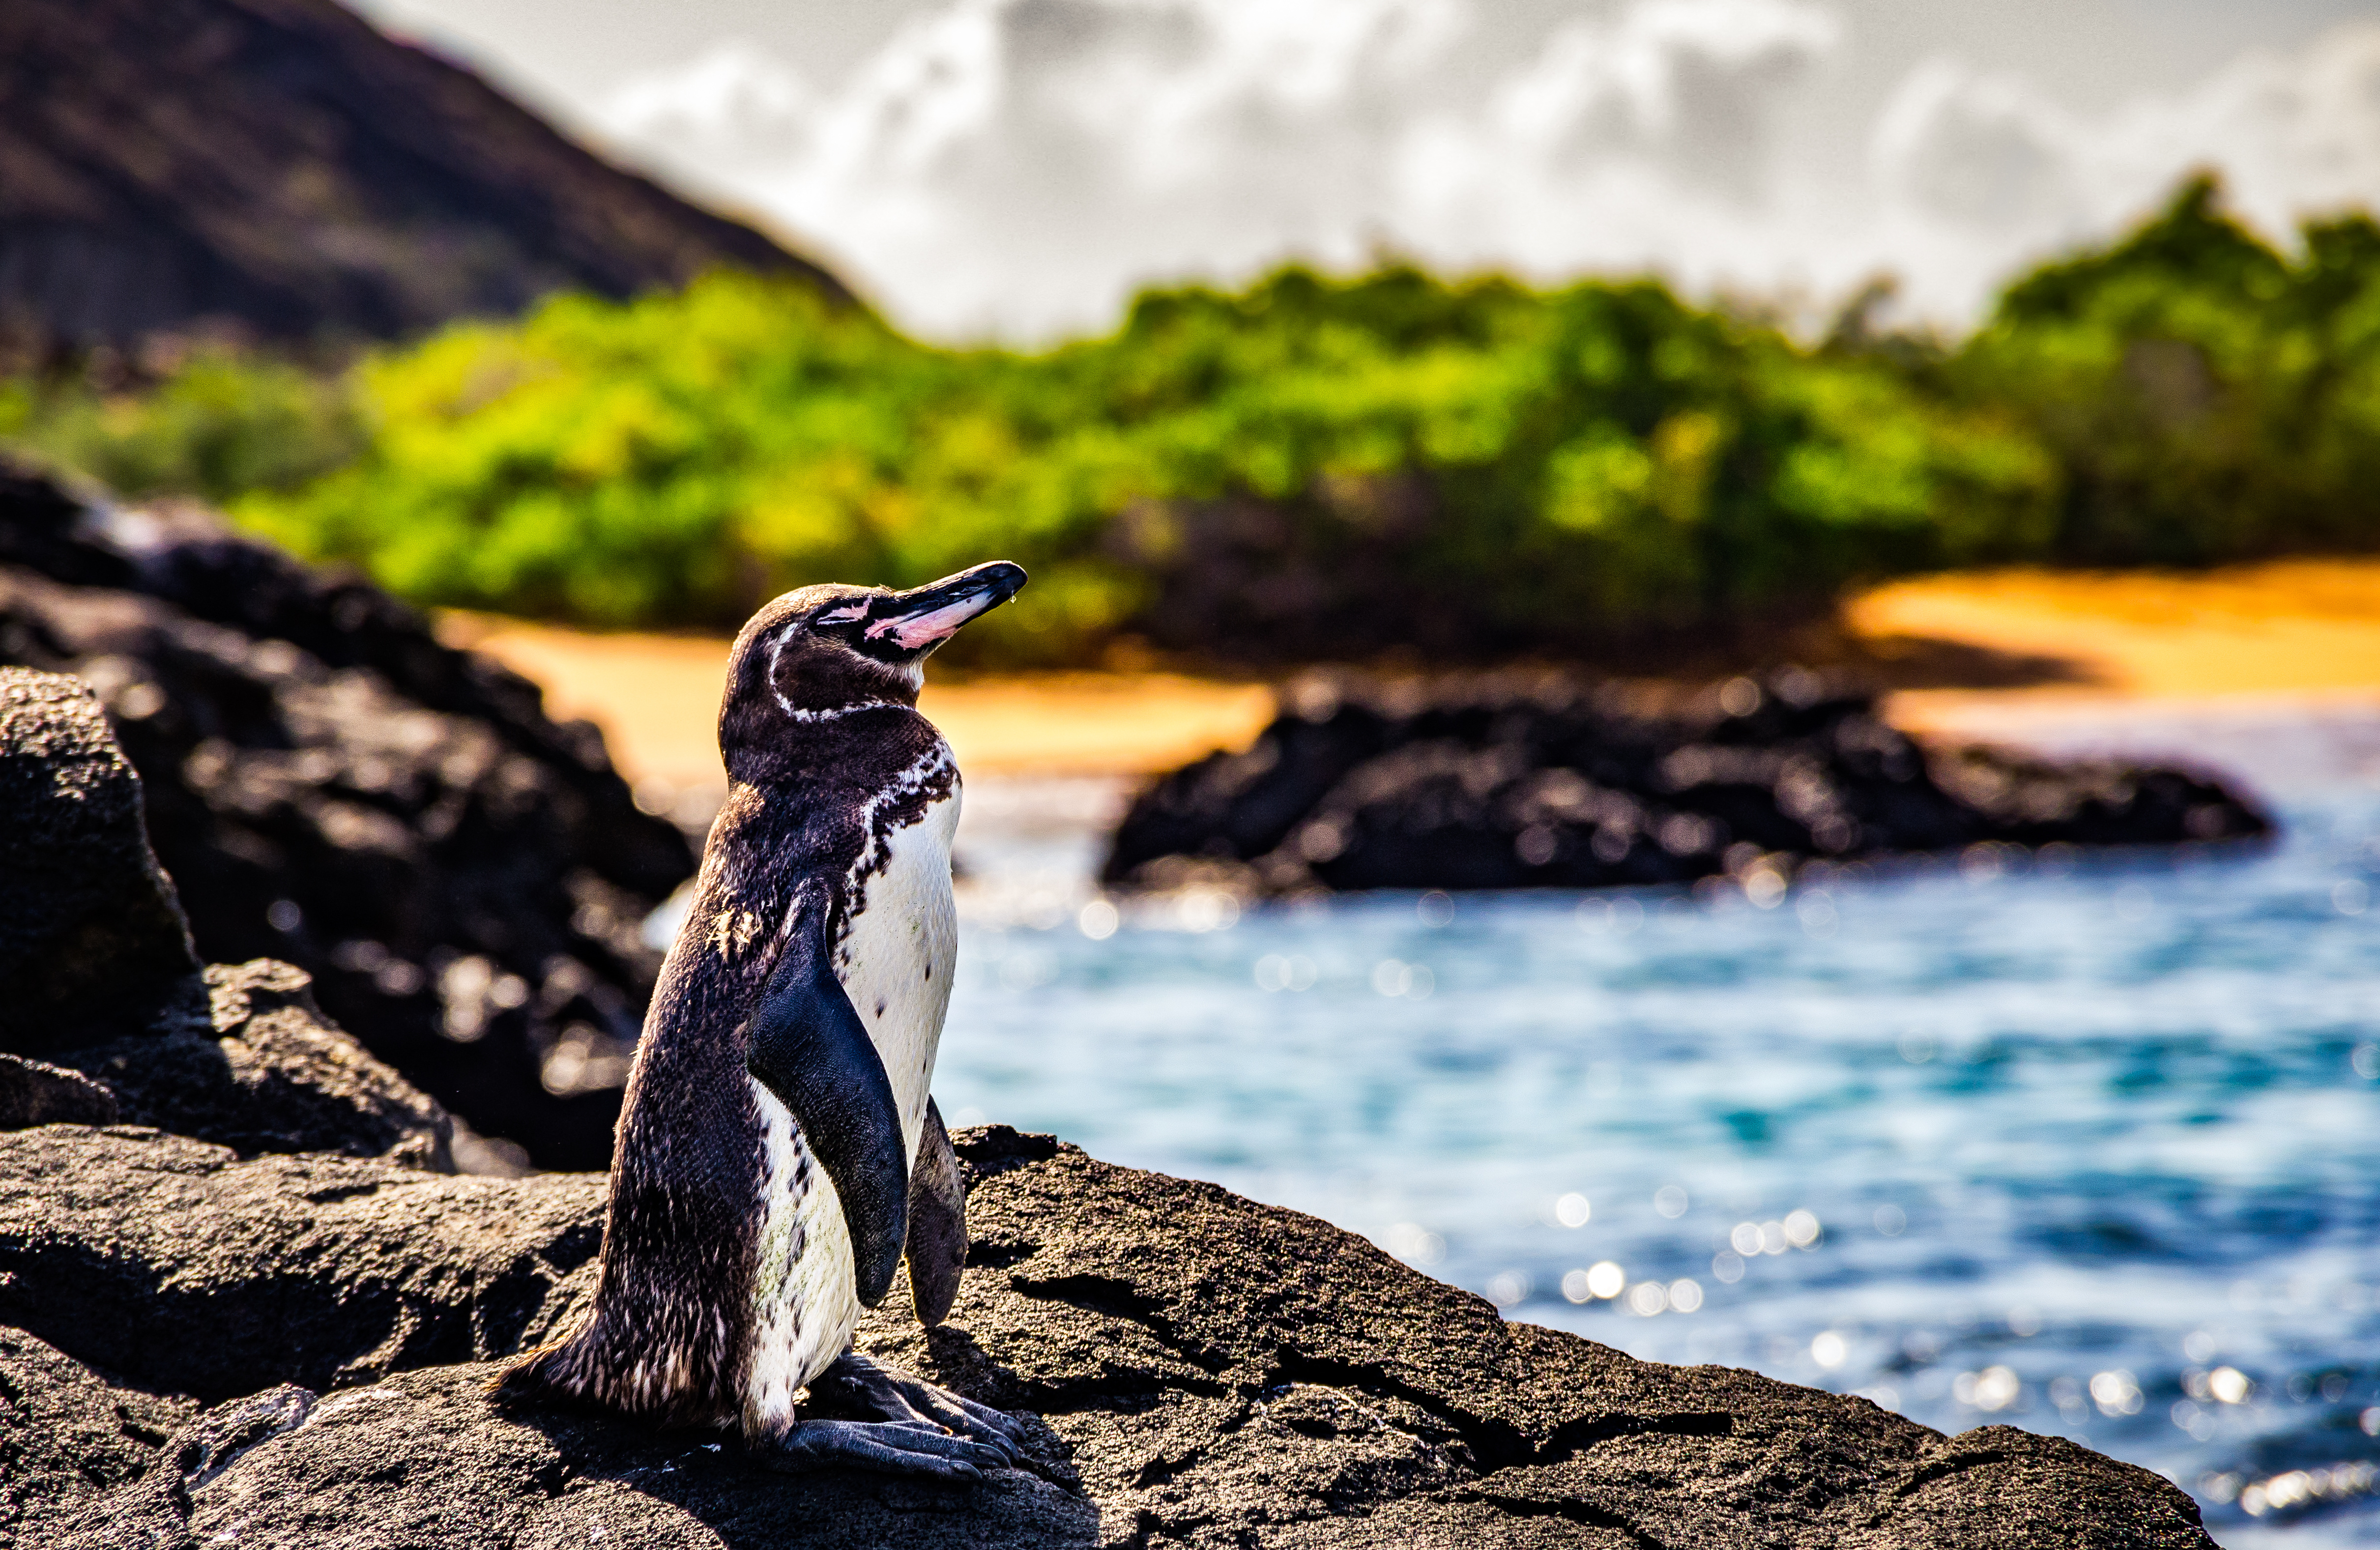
x=778, y=1149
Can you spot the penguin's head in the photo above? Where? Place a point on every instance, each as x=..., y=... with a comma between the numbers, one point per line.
x=831, y=647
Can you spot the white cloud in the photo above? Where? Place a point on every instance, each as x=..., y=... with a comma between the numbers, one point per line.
x=1978, y=174
x=1016, y=167
x=1682, y=83
x=1983, y=151
x=1645, y=140
x=734, y=110
x=2293, y=133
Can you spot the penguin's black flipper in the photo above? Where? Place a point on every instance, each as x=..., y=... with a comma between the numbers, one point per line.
x=938, y=1239
x=810, y=1047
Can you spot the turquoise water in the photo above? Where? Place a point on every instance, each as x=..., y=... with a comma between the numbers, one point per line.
x=2091, y=1145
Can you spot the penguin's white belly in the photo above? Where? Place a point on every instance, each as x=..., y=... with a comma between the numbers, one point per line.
x=805, y=1299
x=897, y=958
x=895, y=967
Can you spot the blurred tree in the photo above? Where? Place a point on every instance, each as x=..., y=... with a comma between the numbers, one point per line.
x=2207, y=397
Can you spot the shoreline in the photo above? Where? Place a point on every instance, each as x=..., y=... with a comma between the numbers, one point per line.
x=2059, y=651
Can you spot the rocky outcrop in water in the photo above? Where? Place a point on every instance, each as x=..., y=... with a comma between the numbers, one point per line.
x=1520, y=781
x=1200, y=1370
x=279, y=167
x=462, y=877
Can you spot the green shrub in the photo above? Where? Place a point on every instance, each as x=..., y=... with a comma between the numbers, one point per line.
x=2208, y=398
x=219, y=426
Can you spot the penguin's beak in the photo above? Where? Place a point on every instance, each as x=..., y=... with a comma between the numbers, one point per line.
x=925, y=616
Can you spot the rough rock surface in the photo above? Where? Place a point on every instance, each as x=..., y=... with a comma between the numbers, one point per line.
x=100, y=974
x=1204, y=1371
x=1516, y=782
x=175, y=1263
x=279, y=166
x=37, y=1093
x=66, y=1433
x=271, y=1074
x=89, y=930
x=328, y=785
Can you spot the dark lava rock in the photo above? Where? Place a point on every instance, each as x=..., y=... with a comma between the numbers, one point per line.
x=269, y=1074
x=463, y=877
x=1204, y=1371
x=66, y=1433
x=89, y=935
x=37, y=1093
x=279, y=167
x=101, y=977
x=1515, y=782
x=172, y=1262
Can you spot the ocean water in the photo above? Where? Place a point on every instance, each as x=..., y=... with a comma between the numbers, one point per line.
x=2089, y=1145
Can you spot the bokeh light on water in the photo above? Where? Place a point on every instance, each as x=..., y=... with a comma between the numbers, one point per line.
x=2087, y=1144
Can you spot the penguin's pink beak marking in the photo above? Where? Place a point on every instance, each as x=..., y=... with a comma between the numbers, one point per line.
x=912, y=631
x=927, y=615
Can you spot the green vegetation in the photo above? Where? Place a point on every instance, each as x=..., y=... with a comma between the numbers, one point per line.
x=217, y=425
x=2205, y=397
x=1309, y=464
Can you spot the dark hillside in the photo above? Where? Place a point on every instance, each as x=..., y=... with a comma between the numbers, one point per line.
x=280, y=167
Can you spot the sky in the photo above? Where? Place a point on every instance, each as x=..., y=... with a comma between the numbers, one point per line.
x=1015, y=169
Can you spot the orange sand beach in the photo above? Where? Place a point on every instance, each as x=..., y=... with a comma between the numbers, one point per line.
x=2303, y=632
x=2082, y=645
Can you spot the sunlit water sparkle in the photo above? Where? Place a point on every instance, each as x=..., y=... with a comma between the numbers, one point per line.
x=2094, y=1153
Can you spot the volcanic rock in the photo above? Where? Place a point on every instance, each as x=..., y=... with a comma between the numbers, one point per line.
x=462, y=877
x=1520, y=781
x=271, y=1074
x=175, y=1263
x=1198, y=1369
x=101, y=975
x=278, y=168
x=66, y=1433
x=89, y=935
x=37, y=1093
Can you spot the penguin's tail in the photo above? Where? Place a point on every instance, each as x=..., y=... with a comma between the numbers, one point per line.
x=584, y=1370
x=547, y=1371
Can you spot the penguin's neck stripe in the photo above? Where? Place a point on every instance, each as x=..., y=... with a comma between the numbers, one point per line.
x=799, y=715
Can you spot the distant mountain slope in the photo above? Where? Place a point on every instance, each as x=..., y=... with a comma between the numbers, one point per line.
x=280, y=165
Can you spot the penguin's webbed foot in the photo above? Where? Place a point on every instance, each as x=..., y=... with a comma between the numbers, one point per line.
x=860, y=1384
x=902, y=1448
